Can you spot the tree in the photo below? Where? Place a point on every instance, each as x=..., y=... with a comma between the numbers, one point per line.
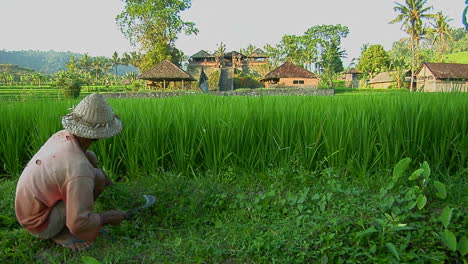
x=373, y=60
x=249, y=50
x=219, y=53
x=155, y=25
x=442, y=34
x=85, y=63
x=399, y=67
x=411, y=16
x=116, y=61
x=331, y=63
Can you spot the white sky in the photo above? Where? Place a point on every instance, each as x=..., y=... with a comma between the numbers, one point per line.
x=88, y=26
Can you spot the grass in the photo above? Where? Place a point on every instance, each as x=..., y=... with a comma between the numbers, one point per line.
x=263, y=180
x=459, y=57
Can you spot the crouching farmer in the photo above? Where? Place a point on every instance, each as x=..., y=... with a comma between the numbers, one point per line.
x=56, y=191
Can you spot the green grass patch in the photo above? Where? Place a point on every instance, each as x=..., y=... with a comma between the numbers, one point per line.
x=459, y=57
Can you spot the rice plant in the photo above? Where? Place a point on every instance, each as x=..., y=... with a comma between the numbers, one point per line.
x=360, y=135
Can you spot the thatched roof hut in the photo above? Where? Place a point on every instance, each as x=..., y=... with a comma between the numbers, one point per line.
x=164, y=72
x=290, y=74
x=289, y=70
x=442, y=77
x=387, y=79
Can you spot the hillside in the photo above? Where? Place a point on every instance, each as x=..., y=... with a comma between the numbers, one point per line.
x=13, y=69
x=47, y=62
x=458, y=57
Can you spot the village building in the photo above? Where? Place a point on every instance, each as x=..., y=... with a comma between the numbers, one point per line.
x=290, y=75
x=442, y=77
x=255, y=63
x=385, y=80
x=167, y=75
x=352, y=78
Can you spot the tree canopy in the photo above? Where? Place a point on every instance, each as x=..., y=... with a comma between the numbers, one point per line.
x=373, y=60
x=154, y=25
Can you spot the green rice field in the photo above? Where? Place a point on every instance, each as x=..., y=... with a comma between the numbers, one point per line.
x=362, y=178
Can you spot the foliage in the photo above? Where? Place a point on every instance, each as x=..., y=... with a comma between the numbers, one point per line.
x=70, y=82
x=399, y=68
x=246, y=81
x=213, y=80
x=310, y=48
x=330, y=64
x=285, y=215
x=442, y=34
x=46, y=62
x=155, y=25
x=373, y=60
x=458, y=57
x=411, y=16
x=257, y=133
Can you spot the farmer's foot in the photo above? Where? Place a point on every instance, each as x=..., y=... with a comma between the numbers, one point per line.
x=68, y=240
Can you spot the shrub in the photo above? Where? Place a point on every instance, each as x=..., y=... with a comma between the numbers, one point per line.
x=70, y=82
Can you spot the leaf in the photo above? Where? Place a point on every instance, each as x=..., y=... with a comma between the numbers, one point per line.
x=415, y=175
x=366, y=232
x=449, y=239
x=427, y=170
x=89, y=260
x=446, y=216
x=421, y=201
x=441, y=190
x=463, y=246
x=393, y=250
x=400, y=167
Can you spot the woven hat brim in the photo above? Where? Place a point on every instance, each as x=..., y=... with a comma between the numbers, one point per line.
x=85, y=131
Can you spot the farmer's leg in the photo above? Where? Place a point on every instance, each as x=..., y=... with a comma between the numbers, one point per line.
x=58, y=232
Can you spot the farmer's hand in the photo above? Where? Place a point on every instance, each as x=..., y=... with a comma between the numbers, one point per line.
x=113, y=217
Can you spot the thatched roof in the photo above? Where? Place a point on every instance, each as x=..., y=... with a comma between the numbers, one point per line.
x=232, y=54
x=447, y=70
x=354, y=71
x=383, y=77
x=168, y=71
x=387, y=77
x=201, y=54
x=289, y=70
x=258, y=53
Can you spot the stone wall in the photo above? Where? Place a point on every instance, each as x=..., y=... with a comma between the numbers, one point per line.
x=252, y=92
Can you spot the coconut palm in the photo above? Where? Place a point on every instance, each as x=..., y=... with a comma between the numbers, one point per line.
x=443, y=33
x=85, y=63
x=249, y=50
x=116, y=61
x=411, y=15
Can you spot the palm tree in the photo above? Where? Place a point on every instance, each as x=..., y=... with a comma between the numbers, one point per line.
x=443, y=33
x=219, y=53
x=249, y=50
x=85, y=63
x=116, y=61
x=411, y=15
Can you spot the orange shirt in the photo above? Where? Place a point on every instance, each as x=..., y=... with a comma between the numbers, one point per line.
x=58, y=171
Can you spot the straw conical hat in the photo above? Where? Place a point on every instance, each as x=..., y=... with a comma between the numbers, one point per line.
x=92, y=118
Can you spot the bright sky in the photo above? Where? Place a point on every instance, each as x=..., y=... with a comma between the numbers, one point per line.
x=88, y=26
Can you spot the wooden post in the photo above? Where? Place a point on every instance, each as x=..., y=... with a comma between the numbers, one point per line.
x=183, y=87
x=164, y=86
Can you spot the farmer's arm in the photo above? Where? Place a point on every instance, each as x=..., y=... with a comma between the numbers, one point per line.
x=99, y=172
x=81, y=221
